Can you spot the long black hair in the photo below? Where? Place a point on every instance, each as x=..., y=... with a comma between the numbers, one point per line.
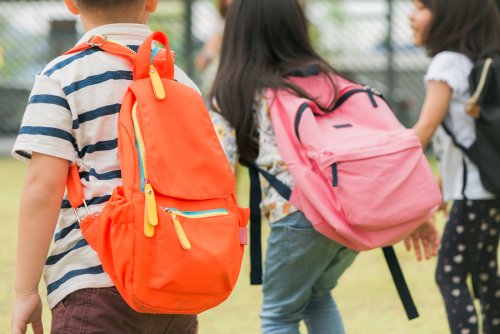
x=264, y=40
x=465, y=26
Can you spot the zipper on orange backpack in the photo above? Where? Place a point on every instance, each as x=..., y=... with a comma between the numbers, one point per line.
x=181, y=235
x=150, y=211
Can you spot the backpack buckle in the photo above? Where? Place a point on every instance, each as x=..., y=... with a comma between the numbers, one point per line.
x=76, y=212
x=97, y=40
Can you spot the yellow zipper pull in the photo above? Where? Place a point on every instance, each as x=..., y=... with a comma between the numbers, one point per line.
x=150, y=205
x=156, y=83
x=149, y=230
x=181, y=235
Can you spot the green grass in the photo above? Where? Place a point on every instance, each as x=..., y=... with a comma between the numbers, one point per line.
x=365, y=295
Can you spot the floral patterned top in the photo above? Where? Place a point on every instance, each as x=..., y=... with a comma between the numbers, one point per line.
x=273, y=206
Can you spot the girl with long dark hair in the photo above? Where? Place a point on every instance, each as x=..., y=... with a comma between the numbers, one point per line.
x=264, y=43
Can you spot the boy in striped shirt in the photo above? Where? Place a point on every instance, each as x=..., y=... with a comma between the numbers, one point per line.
x=72, y=118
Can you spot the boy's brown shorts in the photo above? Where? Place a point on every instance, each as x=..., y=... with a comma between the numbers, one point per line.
x=103, y=310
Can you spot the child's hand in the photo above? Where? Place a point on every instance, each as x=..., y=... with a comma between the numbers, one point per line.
x=27, y=310
x=425, y=236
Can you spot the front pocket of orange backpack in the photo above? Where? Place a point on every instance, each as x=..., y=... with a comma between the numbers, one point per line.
x=195, y=251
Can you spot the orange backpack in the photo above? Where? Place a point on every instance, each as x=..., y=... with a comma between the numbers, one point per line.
x=171, y=237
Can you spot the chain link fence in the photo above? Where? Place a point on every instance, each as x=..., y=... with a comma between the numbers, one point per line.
x=369, y=40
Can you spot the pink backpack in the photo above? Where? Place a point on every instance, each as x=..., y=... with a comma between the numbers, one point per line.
x=361, y=178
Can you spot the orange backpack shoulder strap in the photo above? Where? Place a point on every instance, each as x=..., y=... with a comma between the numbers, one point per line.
x=74, y=186
x=104, y=44
x=142, y=61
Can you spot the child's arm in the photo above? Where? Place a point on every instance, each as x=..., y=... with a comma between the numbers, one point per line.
x=443, y=206
x=437, y=100
x=39, y=209
x=434, y=110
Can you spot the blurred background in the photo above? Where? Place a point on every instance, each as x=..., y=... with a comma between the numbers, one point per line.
x=368, y=39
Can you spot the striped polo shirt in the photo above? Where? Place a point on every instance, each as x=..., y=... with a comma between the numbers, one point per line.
x=73, y=114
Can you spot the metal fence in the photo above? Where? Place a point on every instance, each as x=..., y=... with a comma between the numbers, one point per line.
x=370, y=40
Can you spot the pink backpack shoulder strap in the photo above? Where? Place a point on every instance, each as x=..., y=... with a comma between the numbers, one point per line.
x=286, y=110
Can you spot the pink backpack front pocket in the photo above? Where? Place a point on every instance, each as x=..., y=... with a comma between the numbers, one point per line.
x=376, y=187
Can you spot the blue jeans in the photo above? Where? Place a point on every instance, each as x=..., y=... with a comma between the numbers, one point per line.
x=301, y=268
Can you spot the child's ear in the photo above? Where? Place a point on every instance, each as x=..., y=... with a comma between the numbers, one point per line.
x=72, y=7
x=151, y=5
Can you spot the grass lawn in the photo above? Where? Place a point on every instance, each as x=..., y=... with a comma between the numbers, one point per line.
x=365, y=295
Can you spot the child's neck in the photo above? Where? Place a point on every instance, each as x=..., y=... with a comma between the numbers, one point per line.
x=90, y=23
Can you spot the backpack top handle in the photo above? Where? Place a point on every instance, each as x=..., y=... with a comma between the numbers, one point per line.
x=144, y=60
